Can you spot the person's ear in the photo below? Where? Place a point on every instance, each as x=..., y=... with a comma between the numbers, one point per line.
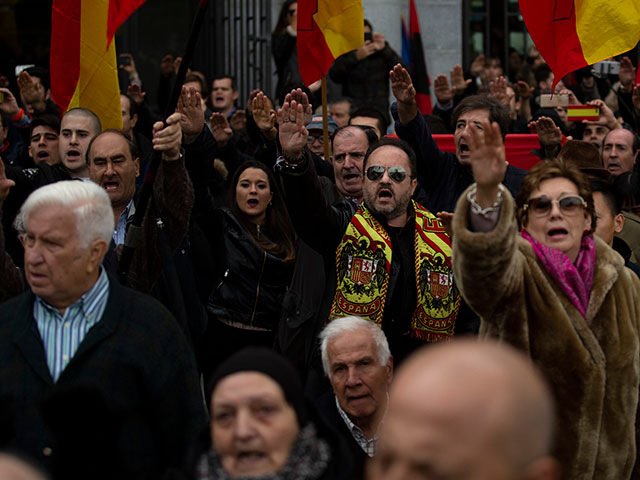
x=618, y=223
x=389, y=367
x=97, y=250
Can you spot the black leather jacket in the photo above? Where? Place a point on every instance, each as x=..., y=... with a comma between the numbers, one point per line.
x=251, y=282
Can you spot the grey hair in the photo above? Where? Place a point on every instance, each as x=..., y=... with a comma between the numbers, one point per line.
x=89, y=203
x=342, y=325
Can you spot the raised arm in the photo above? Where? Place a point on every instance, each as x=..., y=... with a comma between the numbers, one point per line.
x=172, y=202
x=486, y=263
x=318, y=223
x=435, y=168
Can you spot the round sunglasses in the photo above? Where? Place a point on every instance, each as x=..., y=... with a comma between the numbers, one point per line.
x=397, y=174
x=541, y=206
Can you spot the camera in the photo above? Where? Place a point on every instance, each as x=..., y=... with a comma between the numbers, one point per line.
x=605, y=67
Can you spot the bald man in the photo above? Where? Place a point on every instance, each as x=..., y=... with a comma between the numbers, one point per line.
x=466, y=410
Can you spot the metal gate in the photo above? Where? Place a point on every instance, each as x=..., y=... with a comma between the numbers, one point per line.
x=240, y=41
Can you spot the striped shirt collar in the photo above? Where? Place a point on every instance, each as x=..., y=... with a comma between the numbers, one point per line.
x=92, y=301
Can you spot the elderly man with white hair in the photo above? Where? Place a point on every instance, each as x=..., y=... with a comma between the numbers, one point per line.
x=98, y=378
x=356, y=358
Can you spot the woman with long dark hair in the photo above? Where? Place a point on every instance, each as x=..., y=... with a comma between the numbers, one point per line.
x=253, y=249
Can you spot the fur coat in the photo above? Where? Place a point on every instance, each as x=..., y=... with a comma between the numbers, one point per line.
x=592, y=364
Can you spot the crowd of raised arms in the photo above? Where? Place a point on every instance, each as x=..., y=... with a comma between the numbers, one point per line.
x=273, y=291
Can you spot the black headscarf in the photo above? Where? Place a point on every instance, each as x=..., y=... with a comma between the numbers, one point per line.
x=276, y=367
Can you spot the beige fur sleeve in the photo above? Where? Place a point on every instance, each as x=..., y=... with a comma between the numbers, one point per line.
x=488, y=267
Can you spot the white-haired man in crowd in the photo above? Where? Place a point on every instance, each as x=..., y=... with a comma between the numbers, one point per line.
x=356, y=358
x=89, y=368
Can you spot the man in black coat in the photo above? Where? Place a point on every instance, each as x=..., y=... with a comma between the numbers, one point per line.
x=97, y=380
x=443, y=176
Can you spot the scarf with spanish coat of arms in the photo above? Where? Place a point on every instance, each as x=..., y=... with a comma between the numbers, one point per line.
x=363, y=264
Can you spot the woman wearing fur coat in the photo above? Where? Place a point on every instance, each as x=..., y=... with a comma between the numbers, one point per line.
x=558, y=293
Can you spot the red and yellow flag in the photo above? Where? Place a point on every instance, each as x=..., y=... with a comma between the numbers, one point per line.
x=83, y=59
x=326, y=30
x=571, y=34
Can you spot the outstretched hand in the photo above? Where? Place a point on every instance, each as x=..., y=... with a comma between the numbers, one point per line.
x=498, y=91
x=548, y=132
x=458, y=82
x=32, y=92
x=488, y=161
x=442, y=90
x=292, y=132
x=192, y=118
x=264, y=115
x=220, y=129
x=402, y=85
x=627, y=73
x=300, y=98
x=135, y=91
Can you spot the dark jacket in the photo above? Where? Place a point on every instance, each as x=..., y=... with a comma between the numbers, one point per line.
x=620, y=246
x=285, y=56
x=326, y=405
x=366, y=81
x=441, y=176
x=250, y=282
x=135, y=361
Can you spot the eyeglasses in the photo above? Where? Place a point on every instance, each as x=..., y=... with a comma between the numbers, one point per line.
x=397, y=174
x=312, y=138
x=541, y=206
x=292, y=12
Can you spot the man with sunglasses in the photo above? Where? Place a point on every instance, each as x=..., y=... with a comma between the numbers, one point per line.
x=389, y=261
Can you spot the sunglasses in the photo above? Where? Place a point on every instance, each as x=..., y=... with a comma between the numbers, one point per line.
x=292, y=12
x=320, y=138
x=397, y=174
x=569, y=205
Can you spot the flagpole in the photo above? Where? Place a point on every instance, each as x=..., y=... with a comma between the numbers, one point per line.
x=325, y=129
x=134, y=231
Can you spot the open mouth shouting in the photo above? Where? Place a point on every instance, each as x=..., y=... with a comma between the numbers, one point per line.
x=248, y=458
x=557, y=233
x=613, y=166
x=74, y=155
x=384, y=194
x=463, y=150
x=110, y=185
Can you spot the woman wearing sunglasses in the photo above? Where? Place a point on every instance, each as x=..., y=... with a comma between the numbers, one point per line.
x=553, y=289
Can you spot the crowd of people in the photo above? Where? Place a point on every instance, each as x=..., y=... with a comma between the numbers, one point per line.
x=272, y=292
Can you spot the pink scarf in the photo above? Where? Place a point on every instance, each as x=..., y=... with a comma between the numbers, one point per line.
x=574, y=280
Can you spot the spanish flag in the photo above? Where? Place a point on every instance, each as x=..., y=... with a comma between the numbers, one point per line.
x=83, y=57
x=571, y=34
x=326, y=30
